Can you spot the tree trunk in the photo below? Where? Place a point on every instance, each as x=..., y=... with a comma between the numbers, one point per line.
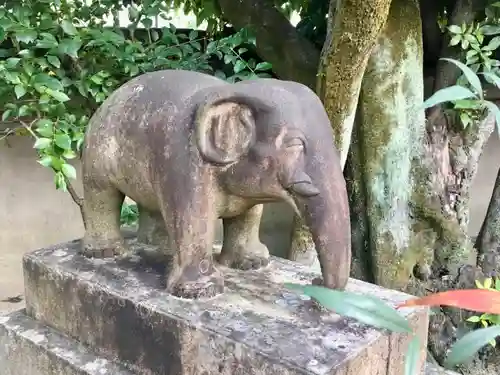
x=390, y=129
x=488, y=239
x=352, y=34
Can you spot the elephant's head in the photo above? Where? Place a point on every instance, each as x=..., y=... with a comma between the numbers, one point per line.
x=269, y=149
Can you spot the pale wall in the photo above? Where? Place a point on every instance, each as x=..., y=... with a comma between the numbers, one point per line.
x=32, y=213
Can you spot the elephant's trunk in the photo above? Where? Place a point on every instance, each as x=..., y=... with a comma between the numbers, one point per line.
x=327, y=216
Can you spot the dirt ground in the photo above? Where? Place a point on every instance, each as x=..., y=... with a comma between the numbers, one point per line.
x=11, y=279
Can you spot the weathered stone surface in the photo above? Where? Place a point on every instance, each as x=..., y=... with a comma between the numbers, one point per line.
x=119, y=309
x=190, y=148
x=432, y=369
x=30, y=348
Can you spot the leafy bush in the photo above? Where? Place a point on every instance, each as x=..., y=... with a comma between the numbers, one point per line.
x=58, y=62
x=486, y=319
x=477, y=42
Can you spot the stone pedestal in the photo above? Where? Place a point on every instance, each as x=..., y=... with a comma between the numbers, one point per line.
x=112, y=317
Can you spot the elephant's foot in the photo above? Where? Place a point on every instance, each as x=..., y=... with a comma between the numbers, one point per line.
x=104, y=249
x=248, y=258
x=201, y=280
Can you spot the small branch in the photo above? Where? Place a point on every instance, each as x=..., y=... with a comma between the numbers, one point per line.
x=77, y=199
x=74, y=195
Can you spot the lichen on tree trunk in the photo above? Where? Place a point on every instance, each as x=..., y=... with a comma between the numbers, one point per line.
x=391, y=127
x=353, y=31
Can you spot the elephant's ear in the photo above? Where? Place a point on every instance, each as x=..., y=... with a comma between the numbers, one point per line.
x=225, y=130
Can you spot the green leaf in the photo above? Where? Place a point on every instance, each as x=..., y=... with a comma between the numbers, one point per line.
x=44, y=127
x=493, y=78
x=44, y=79
x=57, y=95
x=239, y=66
x=54, y=60
x=364, y=308
x=42, y=143
x=6, y=114
x=24, y=110
x=211, y=47
x=69, y=154
x=448, y=94
x=60, y=181
x=469, y=74
x=48, y=41
x=488, y=282
x=12, y=77
x=193, y=34
x=413, y=357
x=69, y=171
x=133, y=13
x=46, y=161
x=490, y=30
x=70, y=47
x=68, y=27
x=465, y=348
x=20, y=91
x=454, y=29
x=468, y=104
x=63, y=141
x=455, y=40
x=2, y=34
x=493, y=44
x=465, y=118
x=473, y=319
x=12, y=62
x=147, y=22
x=26, y=35
x=263, y=66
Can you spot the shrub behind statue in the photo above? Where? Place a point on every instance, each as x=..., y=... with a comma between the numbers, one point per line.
x=190, y=148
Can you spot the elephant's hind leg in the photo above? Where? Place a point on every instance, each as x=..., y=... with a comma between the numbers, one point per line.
x=151, y=229
x=152, y=232
x=102, y=207
x=241, y=247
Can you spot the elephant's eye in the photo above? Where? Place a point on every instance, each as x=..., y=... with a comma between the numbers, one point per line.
x=295, y=143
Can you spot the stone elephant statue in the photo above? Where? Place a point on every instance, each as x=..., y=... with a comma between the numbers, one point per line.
x=190, y=148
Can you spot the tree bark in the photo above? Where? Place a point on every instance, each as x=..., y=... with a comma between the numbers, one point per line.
x=293, y=57
x=488, y=239
x=353, y=31
x=390, y=131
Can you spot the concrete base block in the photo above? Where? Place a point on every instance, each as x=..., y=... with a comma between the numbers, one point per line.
x=30, y=348
x=119, y=310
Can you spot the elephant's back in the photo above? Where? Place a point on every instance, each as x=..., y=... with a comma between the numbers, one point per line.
x=150, y=99
x=169, y=85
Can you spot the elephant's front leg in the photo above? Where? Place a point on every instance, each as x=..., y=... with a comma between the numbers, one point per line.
x=191, y=228
x=241, y=247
